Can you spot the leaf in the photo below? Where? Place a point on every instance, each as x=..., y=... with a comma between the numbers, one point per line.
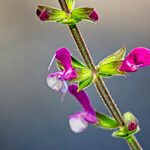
x=110, y=69
x=124, y=132
x=110, y=65
x=85, y=83
x=76, y=63
x=81, y=13
x=54, y=14
x=117, y=56
x=83, y=74
x=106, y=122
x=70, y=4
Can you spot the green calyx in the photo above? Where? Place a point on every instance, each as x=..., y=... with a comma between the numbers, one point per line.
x=110, y=65
x=130, y=129
x=85, y=76
x=106, y=122
x=70, y=4
x=53, y=14
x=125, y=133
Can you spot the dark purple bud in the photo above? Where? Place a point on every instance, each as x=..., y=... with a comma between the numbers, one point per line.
x=94, y=16
x=132, y=126
x=42, y=14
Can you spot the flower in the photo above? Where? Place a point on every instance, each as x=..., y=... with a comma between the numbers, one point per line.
x=137, y=58
x=79, y=121
x=132, y=125
x=57, y=80
x=131, y=121
x=42, y=13
x=94, y=16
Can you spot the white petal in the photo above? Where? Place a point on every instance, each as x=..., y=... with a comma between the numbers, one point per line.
x=77, y=125
x=64, y=87
x=54, y=83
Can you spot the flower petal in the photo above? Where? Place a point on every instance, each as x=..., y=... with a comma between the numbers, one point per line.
x=94, y=16
x=77, y=123
x=138, y=57
x=64, y=87
x=56, y=82
x=82, y=97
x=63, y=55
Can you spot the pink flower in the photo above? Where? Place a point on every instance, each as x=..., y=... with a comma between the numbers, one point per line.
x=42, y=13
x=58, y=80
x=94, y=16
x=80, y=120
x=137, y=58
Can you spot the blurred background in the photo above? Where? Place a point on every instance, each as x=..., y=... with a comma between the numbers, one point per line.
x=32, y=116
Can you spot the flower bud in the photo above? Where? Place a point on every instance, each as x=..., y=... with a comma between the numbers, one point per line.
x=132, y=125
x=42, y=14
x=94, y=16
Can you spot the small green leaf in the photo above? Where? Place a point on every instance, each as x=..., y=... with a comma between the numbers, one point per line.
x=54, y=14
x=110, y=69
x=110, y=65
x=70, y=4
x=76, y=63
x=106, y=122
x=81, y=13
x=117, y=56
x=124, y=132
x=83, y=74
x=85, y=83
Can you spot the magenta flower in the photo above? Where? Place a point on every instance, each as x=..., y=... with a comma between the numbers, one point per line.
x=42, y=13
x=58, y=80
x=132, y=125
x=80, y=120
x=137, y=58
x=94, y=16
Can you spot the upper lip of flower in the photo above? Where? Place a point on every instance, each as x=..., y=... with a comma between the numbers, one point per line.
x=138, y=57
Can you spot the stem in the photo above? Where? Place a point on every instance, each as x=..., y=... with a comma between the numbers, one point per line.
x=133, y=143
x=99, y=83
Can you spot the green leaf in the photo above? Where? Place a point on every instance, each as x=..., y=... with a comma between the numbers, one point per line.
x=110, y=65
x=76, y=63
x=70, y=4
x=83, y=74
x=110, y=69
x=54, y=14
x=124, y=132
x=106, y=122
x=85, y=83
x=117, y=56
x=81, y=13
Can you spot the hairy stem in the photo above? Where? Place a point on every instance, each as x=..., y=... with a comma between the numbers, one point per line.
x=99, y=83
